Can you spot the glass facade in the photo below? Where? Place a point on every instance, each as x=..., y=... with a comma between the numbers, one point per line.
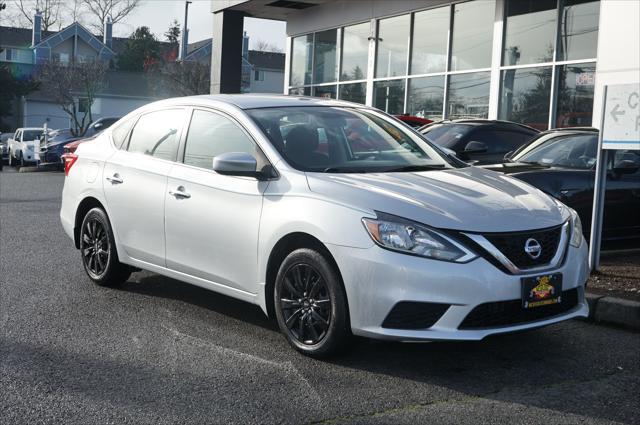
x=531, y=61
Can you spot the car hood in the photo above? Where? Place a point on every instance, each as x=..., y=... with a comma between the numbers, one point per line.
x=470, y=199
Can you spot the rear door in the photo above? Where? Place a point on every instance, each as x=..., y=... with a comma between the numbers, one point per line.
x=212, y=220
x=136, y=181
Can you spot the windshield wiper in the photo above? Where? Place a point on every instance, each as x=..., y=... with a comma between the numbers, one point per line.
x=408, y=168
x=343, y=170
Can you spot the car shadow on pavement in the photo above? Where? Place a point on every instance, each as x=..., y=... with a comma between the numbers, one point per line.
x=163, y=287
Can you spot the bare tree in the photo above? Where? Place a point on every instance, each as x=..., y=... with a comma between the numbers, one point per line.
x=182, y=78
x=265, y=46
x=50, y=10
x=100, y=10
x=74, y=10
x=74, y=87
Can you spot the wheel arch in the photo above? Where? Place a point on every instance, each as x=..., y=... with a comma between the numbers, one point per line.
x=84, y=207
x=286, y=245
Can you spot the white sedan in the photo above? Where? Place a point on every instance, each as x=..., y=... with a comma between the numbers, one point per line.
x=333, y=217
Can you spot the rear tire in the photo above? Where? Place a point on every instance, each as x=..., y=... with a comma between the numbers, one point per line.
x=98, y=250
x=10, y=160
x=311, y=305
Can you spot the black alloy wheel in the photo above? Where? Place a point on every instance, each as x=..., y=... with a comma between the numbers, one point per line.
x=311, y=304
x=98, y=250
x=305, y=303
x=95, y=247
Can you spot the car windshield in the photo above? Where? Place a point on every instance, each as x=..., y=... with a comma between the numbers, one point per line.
x=29, y=135
x=345, y=140
x=446, y=135
x=571, y=151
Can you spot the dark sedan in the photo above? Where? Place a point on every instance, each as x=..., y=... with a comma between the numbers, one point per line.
x=479, y=141
x=562, y=164
x=59, y=138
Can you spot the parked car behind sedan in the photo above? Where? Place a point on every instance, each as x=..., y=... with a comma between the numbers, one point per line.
x=479, y=141
x=399, y=242
x=4, y=147
x=22, y=145
x=413, y=121
x=55, y=147
x=562, y=163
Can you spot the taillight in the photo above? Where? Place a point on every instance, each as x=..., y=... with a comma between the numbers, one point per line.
x=69, y=159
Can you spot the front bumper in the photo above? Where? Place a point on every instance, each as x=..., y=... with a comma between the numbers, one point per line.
x=376, y=280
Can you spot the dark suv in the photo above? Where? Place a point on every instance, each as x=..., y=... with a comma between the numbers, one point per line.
x=479, y=141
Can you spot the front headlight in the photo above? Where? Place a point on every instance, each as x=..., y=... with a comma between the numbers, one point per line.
x=402, y=235
x=576, y=229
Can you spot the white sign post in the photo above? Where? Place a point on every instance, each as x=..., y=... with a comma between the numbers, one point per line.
x=619, y=129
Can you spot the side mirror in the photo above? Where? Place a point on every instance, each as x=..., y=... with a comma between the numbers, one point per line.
x=475, y=147
x=625, y=166
x=236, y=164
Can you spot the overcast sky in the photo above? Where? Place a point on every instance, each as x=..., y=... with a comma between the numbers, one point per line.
x=158, y=14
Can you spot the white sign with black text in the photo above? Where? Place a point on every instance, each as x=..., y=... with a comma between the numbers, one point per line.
x=621, y=123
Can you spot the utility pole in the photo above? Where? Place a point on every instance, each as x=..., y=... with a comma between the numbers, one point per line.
x=185, y=33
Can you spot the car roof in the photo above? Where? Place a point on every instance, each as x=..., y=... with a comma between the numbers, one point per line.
x=483, y=121
x=253, y=101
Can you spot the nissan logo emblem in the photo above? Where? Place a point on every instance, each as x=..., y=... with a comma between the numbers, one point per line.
x=533, y=248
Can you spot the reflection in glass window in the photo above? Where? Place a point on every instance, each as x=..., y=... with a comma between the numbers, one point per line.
x=393, y=38
x=389, y=96
x=429, y=51
x=469, y=95
x=211, y=135
x=326, y=92
x=577, y=151
x=425, y=97
x=472, y=35
x=301, y=60
x=300, y=91
x=157, y=134
x=530, y=31
x=356, y=92
x=575, y=95
x=579, y=29
x=525, y=95
x=355, y=51
x=325, y=57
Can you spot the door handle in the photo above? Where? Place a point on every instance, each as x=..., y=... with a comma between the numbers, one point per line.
x=115, y=179
x=180, y=193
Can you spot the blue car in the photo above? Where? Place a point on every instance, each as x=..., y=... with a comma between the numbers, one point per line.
x=59, y=138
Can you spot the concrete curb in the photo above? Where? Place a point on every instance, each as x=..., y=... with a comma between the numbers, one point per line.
x=616, y=311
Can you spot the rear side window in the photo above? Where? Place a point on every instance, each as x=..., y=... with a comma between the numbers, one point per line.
x=121, y=131
x=211, y=134
x=157, y=134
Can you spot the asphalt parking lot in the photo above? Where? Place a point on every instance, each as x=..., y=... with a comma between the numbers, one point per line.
x=160, y=351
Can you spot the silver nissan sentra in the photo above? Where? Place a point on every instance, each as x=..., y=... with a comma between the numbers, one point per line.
x=334, y=218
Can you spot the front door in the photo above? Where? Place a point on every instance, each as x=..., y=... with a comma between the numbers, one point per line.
x=212, y=220
x=135, y=183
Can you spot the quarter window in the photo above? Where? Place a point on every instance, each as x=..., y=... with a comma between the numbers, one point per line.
x=212, y=134
x=157, y=134
x=120, y=133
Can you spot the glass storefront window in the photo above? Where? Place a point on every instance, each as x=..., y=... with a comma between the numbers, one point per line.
x=426, y=95
x=325, y=58
x=326, y=92
x=393, y=40
x=429, y=50
x=469, y=95
x=301, y=60
x=355, y=92
x=525, y=96
x=355, y=50
x=389, y=96
x=300, y=91
x=472, y=35
x=575, y=95
x=530, y=31
x=579, y=29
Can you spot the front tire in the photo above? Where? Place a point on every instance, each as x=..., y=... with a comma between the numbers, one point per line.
x=310, y=304
x=98, y=250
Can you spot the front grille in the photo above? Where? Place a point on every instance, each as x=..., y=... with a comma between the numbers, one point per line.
x=505, y=313
x=414, y=315
x=512, y=246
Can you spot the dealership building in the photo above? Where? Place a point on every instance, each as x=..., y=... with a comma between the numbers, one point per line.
x=539, y=62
